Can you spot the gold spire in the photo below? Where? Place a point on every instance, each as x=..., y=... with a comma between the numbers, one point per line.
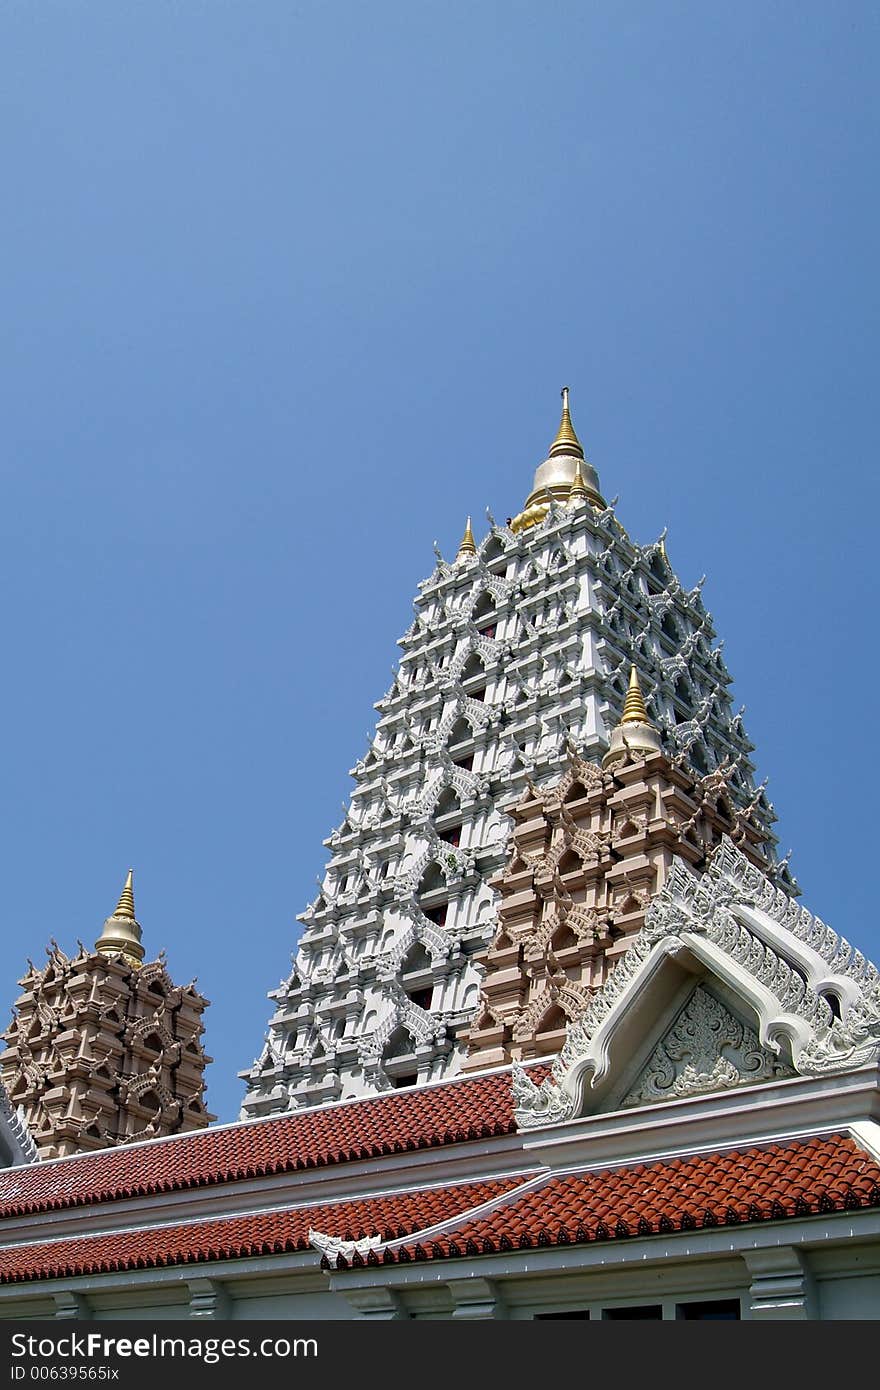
x=634, y=711
x=125, y=906
x=121, y=933
x=468, y=545
x=578, y=486
x=566, y=441
x=635, y=735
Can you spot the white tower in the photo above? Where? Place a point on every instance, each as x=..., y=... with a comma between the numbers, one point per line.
x=522, y=644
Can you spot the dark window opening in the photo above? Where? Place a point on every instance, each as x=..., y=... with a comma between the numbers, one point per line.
x=404, y=1078
x=554, y=1317
x=726, y=1309
x=467, y=764
x=437, y=915
x=422, y=997
x=645, y=1311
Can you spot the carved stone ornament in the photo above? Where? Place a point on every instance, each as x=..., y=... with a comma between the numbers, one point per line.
x=734, y=923
x=331, y=1247
x=706, y=1049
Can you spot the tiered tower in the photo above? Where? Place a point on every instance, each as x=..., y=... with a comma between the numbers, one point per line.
x=588, y=855
x=519, y=656
x=103, y=1048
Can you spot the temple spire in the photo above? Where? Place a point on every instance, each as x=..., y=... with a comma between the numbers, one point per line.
x=634, y=711
x=566, y=441
x=578, y=488
x=125, y=906
x=635, y=736
x=121, y=933
x=467, y=545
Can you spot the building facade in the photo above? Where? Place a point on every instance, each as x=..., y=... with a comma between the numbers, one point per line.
x=104, y=1048
x=520, y=649
x=560, y=1041
x=706, y=1145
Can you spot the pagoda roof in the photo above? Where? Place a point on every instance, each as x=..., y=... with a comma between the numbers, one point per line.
x=770, y=1182
x=468, y=1108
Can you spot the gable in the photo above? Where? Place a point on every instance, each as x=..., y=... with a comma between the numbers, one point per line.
x=813, y=999
x=705, y=1049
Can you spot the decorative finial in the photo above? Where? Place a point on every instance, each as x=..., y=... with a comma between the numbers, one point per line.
x=634, y=711
x=578, y=492
x=125, y=906
x=121, y=934
x=468, y=545
x=635, y=735
x=566, y=441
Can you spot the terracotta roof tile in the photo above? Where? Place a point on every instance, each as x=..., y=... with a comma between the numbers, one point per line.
x=262, y=1233
x=469, y=1109
x=775, y=1182
x=798, y=1178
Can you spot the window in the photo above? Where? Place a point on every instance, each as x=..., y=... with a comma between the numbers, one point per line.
x=726, y=1309
x=421, y=997
x=643, y=1311
x=554, y=1317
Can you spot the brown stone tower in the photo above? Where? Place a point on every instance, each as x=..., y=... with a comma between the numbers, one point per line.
x=588, y=853
x=104, y=1049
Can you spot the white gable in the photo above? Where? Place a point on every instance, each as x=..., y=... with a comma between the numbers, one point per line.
x=812, y=1000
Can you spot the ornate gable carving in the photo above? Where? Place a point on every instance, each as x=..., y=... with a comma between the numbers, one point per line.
x=706, y=1049
x=731, y=922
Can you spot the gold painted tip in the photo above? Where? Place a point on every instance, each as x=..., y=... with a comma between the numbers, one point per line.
x=468, y=544
x=566, y=441
x=578, y=486
x=125, y=906
x=121, y=933
x=634, y=711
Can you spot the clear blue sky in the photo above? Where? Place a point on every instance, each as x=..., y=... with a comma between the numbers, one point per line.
x=287, y=290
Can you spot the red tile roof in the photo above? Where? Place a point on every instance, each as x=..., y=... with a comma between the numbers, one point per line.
x=799, y=1178
x=263, y=1233
x=475, y=1108
x=774, y=1182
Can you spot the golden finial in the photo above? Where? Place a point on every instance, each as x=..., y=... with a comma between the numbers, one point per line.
x=125, y=906
x=634, y=711
x=566, y=441
x=121, y=934
x=468, y=545
x=635, y=735
x=578, y=487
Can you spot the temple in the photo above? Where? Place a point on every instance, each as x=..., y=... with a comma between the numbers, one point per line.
x=520, y=651
x=560, y=1040
x=103, y=1047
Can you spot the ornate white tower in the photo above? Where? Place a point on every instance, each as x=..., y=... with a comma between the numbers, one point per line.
x=520, y=646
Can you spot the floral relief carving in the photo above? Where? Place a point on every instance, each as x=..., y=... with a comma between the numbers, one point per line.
x=707, y=1049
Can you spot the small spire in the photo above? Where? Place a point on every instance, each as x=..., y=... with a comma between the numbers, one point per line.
x=125, y=906
x=121, y=933
x=566, y=441
x=578, y=487
x=634, y=711
x=635, y=735
x=468, y=545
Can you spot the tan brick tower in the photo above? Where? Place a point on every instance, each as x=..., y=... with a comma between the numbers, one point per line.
x=104, y=1049
x=588, y=853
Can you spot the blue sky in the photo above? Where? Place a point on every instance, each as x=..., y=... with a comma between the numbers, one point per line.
x=290, y=288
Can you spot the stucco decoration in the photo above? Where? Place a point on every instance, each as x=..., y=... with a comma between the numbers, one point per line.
x=16, y=1142
x=706, y=1049
x=814, y=998
x=331, y=1247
